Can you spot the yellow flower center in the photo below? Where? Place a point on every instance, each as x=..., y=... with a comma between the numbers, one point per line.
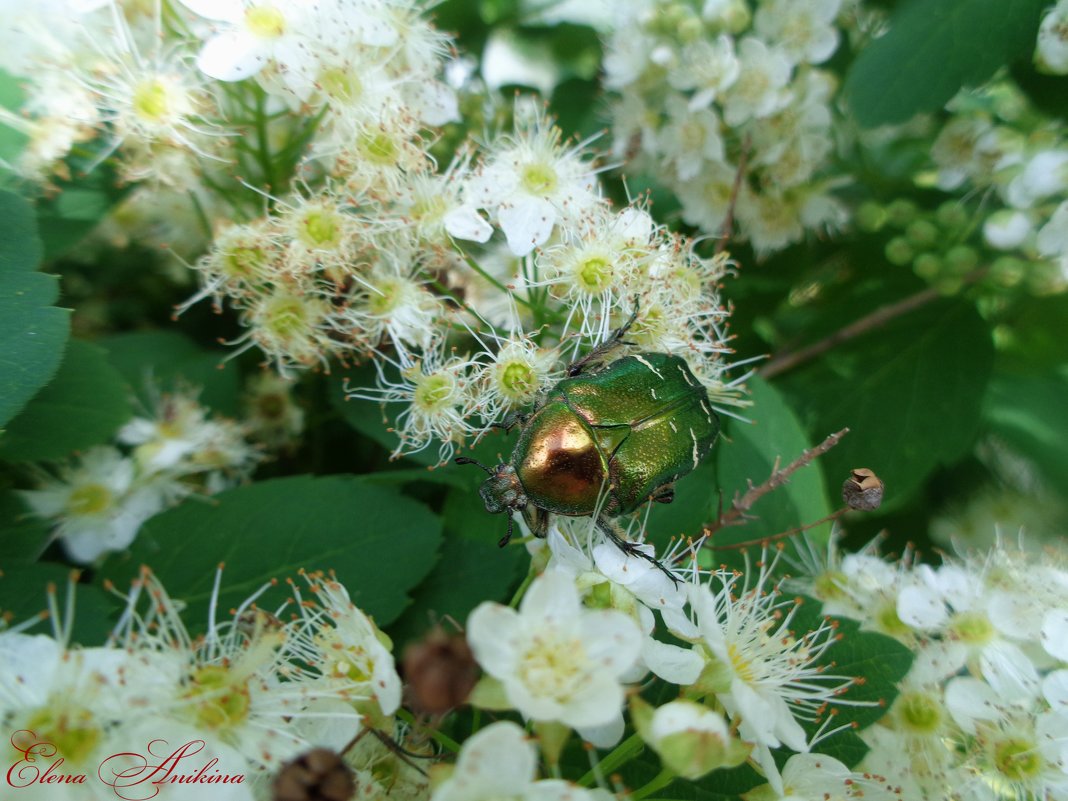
x=321, y=227
x=539, y=179
x=89, y=499
x=433, y=392
x=379, y=148
x=973, y=628
x=553, y=668
x=72, y=730
x=743, y=668
x=340, y=84
x=594, y=274
x=266, y=22
x=517, y=380
x=151, y=100
x=286, y=316
x=919, y=712
x=220, y=700
x=1017, y=758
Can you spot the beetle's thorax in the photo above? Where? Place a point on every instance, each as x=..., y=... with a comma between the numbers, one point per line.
x=502, y=490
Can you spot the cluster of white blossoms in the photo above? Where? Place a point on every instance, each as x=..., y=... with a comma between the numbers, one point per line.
x=996, y=143
x=706, y=88
x=597, y=621
x=1051, y=51
x=99, y=501
x=983, y=712
x=256, y=690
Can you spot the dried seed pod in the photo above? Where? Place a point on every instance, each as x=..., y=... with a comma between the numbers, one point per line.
x=440, y=672
x=863, y=490
x=317, y=775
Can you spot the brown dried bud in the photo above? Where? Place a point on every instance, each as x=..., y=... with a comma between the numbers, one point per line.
x=318, y=775
x=863, y=490
x=440, y=672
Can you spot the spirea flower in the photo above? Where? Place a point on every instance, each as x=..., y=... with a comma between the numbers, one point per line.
x=556, y=660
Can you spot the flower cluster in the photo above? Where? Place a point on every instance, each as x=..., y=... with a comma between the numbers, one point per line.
x=705, y=91
x=99, y=502
x=586, y=630
x=983, y=712
x=256, y=690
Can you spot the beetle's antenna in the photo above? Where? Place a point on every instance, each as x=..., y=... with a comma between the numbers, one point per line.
x=469, y=460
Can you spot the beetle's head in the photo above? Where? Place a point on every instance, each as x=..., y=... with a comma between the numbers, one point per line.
x=502, y=490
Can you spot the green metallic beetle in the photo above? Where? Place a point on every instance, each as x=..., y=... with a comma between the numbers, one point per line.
x=604, y=442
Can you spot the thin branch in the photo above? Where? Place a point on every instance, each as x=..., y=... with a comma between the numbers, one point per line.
x=877, y=319
x=762, y=541
x=727, y=231
x=779, y=476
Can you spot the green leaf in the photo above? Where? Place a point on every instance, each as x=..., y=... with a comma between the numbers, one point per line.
x=167, y=360
x=23, y=536
x=20, y=247
x=24, y=595
x=32, y=331
x=749, y=451
x=380, y=543
x=69, y=215
x=933, y=49
x=910, y=393
x=1028, y=413
x=83, y=406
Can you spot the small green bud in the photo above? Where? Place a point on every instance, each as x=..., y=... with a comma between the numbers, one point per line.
x=901, y=212
x=870, y=216
x=691, y=739
x=948, y=285
x=922, y=233
x=952, y=214
x=1008, y=271
x=928, y=266
x=961, y=259
x=899, y=251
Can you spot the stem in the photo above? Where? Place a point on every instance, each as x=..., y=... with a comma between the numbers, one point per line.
x=442, y=739
x=728, y=224
x=514, y=603
x=618, y=756
x=785, y=362
x=734, y=546
x=778, y=477
x=263, y=152
x=662, y=779
x=474, y=265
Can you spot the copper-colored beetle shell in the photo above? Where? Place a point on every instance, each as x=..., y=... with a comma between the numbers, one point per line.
x=562, y=469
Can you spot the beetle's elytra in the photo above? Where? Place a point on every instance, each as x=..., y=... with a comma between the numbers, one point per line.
x=605, y=441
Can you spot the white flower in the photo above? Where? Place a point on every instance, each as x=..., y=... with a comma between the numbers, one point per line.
x=1045, y=174
x=500, y=762
x=804, y=29
x=1007, y=229
x=1052, y=240
x=760, y=90
x=531, y=182
x=257, y=32
x=707, y=68
x=816, y=777
x=98, y=504
x=766, y=674
x=1051, y=53
x=556, y=660
x=690, y=738
x=689, y=139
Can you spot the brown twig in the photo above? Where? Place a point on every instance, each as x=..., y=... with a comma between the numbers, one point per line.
x=735, y=546
x=728, y=224
x=878, y=318
x=778, y=477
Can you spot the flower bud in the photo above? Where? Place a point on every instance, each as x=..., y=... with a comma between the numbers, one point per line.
x=440, y=672
x=690, y=738
x=863, y=490
x=317, y=775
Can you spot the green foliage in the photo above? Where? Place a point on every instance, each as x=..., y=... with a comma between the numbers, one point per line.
x=910, y=394
x=749, y=452
x=23, y=595
x=33, y=332
x=22, y=536
x=84, y=406
x=152, y=361
x=932, y=50
x=378, y=542
x=1027, y=412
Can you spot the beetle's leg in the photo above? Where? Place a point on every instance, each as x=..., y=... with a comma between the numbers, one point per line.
x=665, y=494
x=508, y=534
x=610, y=344
x=632, y=549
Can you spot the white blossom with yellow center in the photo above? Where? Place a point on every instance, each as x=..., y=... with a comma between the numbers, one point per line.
x=557, y=660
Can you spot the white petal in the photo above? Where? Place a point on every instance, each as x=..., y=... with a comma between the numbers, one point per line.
x=671, y=663
x=1054, y=634
x=552, y=597
x=466, y=223
x=497, y=762
x=493, y=631
x=1009, y=671
x=604, y=736
x=921, y=607
x=679, y=623
x=232, y=56
x=527, y=224
x=1055, y=691
x=970, y=700
x=222, y=10
x=612, y=639
x=598, y=705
